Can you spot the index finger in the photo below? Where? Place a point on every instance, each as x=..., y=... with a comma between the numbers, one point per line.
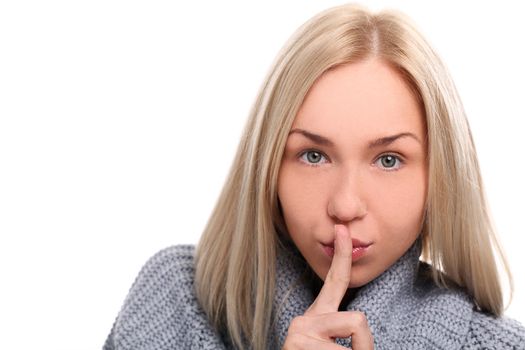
x=338, y=277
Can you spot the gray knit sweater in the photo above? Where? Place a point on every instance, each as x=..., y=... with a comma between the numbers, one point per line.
x=404, y=309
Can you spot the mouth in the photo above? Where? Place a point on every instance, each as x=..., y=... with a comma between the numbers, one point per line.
x=359, y=249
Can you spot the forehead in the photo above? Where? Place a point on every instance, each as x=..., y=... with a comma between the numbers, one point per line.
x=362, y=99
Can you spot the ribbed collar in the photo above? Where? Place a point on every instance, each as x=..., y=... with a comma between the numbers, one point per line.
x=403, y=309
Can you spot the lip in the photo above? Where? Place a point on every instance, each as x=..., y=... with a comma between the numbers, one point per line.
x=359, y=249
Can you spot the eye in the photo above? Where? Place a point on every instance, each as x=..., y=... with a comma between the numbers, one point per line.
x=312, y=157
x=389, y=161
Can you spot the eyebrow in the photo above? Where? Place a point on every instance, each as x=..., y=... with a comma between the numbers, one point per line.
x=382, y=141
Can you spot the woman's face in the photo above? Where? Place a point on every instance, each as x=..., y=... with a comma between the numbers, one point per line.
x=356, y=155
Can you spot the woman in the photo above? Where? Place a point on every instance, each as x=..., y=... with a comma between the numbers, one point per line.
x=356, y=165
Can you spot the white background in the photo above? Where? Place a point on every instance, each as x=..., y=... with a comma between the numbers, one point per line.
x=119, y=121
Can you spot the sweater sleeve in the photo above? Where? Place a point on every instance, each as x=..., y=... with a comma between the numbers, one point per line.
x=488, y=332
x=161, y=310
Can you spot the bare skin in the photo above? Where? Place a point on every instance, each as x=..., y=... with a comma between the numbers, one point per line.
x=354, y=169
x=322, y=322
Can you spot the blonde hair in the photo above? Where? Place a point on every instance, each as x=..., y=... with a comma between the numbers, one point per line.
x=235, y=258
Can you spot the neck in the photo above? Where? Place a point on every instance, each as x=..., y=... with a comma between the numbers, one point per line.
x=316, y=284
x=347, y=299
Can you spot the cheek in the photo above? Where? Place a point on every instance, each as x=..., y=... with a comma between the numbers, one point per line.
x=301, y=199
x=402, y=206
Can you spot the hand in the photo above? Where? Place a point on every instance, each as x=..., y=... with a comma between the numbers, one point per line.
x=322, y=323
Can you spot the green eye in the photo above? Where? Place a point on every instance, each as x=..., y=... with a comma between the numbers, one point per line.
x=312, y=157
x=390, y=162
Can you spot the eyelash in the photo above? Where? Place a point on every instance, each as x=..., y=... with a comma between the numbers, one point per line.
x=396, y=156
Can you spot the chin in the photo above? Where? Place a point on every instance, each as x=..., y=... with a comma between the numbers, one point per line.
x=358, y=280
x=358, y=283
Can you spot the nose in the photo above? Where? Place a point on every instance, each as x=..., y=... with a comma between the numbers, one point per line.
x=346, y=202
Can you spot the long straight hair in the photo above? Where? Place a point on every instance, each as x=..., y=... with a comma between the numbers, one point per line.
x=236, y=255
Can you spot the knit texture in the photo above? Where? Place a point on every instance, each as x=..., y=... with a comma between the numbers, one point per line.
x=404, y=309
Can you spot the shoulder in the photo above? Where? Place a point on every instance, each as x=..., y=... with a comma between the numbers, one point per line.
x=161, y=310
x=489, y=332
x=168, y=273
x=170, y=268
x=474, y=329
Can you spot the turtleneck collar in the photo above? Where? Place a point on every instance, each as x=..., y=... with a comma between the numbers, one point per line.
x=399, y=304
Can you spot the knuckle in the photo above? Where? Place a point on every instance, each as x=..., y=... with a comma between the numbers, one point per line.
x=338, y=278
x=360, y=319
